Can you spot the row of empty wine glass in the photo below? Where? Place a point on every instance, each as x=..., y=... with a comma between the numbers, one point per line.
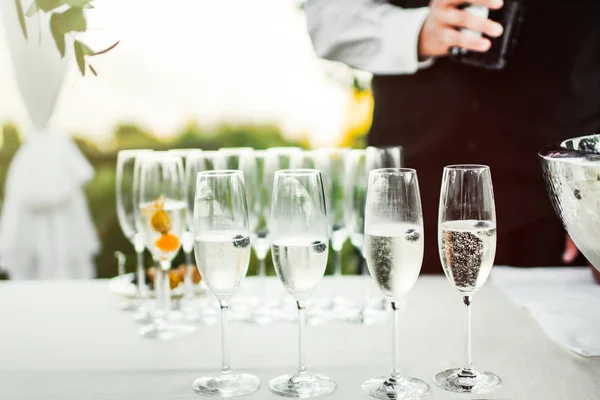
x=344, y=174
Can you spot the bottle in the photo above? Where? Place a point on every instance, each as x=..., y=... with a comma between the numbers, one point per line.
x=511, y=17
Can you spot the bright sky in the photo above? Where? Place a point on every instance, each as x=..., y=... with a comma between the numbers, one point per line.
x=195, y=60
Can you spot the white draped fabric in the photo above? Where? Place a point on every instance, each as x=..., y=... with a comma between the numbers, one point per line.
x=46, y=231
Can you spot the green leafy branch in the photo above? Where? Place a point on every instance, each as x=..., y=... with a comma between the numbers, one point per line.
x=67, y=17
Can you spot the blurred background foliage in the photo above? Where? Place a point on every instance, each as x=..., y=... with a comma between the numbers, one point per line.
x=101, y=190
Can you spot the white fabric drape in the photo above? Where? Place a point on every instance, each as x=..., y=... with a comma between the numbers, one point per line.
x=46, y=231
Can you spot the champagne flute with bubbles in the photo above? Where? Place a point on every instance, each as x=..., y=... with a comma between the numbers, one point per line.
x=393, y=247
x=467, y=246
x=222, y=246
x=161, y=218
x=126, y=214
x=276, y=159
x=299, y=247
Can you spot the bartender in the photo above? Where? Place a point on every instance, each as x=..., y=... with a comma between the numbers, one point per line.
x=447, y=112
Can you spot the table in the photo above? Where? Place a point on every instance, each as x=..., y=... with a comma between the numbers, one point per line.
x=67, y=341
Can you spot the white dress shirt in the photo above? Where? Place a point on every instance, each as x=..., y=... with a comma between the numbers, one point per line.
x=370, y=35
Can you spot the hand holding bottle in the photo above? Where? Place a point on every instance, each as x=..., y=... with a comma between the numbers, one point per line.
x=440, y=31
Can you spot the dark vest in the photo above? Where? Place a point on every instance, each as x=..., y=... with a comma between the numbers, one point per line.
x=454, y=113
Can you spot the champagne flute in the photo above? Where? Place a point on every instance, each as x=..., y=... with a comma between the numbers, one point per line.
x=160, y=217
x=125, y=213
x=242, y=159
x=393, y=247
x=207, y=310
x=331, y=164
x=300, y=237
x=264, y=312
x=222, y=246
x=355, y=195
x=187, y=240
x=467, y=245
x=278, y=158
x=377, y=158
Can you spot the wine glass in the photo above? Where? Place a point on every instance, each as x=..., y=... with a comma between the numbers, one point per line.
x=300, y=238
x=331, y=164
x=206, y=310
x=384, y=157
x=161, y=218
x=242, y=159
x=187, y=240
x=467, y=245
x=393, y=248
x=278, y=158
x=125, y=213
x=377, y=158
x=355, y=195
x=222, y=247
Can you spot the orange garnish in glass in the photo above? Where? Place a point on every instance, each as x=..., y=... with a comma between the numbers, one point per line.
x=161, y=222
x=167, y=242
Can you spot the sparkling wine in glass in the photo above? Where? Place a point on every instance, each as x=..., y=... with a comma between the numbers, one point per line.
x=300, y=237
x=278, y=158
x=467, y=246
x=222, y=247
x=161, y=218
x=125, y=213
x=242, y=159
x=393, y=248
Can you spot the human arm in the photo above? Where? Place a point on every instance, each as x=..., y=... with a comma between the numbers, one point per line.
x=384, y=39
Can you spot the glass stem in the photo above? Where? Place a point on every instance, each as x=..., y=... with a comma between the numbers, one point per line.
x=262, y=266
x=165, y=267
x=302, y=370
x=141, y=276
x=225, y=367
x=138, y=244
x=396, y=376
x=337, y=262
x=468, y=367
x=189, y=270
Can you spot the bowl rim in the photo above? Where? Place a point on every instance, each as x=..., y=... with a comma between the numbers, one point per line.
x=557, y=150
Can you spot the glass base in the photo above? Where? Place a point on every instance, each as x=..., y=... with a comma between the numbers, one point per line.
x=165, y=331
x=367, y=316
x=386, y=388
x=233, y=385
x=459, y=381
x=143, y=315
x=262, y=315
x=302, y=387
x=128, y=305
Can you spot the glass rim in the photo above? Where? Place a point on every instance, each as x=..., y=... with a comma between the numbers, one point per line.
x=183, y=151
x=298, y=172
x=384, y=147
x=467, y=167
x=220, y=172
x=284, y=149
x=127, y=152
x=358, y=151
x=332, y=149
x=235, y=149
x=394, y=171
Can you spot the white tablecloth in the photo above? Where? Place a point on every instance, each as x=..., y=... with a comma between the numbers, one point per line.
x=565, y=302
x=67, y=341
